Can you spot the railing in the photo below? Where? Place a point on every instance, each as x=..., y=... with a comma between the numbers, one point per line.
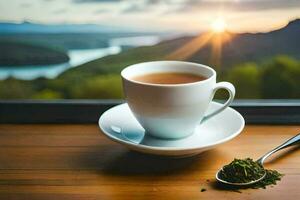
x=89, y=111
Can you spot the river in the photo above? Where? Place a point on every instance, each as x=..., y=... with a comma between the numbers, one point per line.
x=77, y=57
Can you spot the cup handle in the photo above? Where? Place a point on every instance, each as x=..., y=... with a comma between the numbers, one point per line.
x=231, y=90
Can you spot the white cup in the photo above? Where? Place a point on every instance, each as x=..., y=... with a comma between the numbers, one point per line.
x=172, y=111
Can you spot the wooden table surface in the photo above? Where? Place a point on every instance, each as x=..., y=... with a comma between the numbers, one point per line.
x=77, y=162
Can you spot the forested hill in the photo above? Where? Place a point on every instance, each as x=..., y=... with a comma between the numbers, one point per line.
x=245, y=47
x=19, y=54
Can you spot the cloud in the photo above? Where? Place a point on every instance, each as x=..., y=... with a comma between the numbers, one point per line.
x=25, y=5
x=96, y=1
x=100, y=11
x=153, y=2
x=60, y=11
x=242, y=5
x=176, y=6
x=267, y=4
x=136, y=1
x=134, y=8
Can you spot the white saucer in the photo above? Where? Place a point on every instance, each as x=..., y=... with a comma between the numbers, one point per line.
x=119, y=125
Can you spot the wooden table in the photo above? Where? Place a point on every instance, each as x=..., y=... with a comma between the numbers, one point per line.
x=77, y=162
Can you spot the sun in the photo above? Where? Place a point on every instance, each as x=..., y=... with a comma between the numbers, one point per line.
x=218, y=25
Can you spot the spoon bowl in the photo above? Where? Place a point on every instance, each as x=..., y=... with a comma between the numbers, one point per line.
x=292, y=141
x=238, y=184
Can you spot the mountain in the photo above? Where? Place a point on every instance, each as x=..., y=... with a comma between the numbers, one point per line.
x=18, y=54
x=67, y=36
x=28, y=27
x=245, y=47
x=255, y=47
x=99, y=79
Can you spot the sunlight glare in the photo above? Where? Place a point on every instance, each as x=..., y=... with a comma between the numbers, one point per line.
x=212, y=40
x=218, y=25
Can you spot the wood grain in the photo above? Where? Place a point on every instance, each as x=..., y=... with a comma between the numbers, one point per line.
x=77, y=162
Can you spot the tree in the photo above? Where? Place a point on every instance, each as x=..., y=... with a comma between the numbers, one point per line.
x=47, y=94
x=281, y=78
x=246, y=79
x=15, y=89
x=98, y=87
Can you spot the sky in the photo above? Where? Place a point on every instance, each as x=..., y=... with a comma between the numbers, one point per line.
x=156, y=15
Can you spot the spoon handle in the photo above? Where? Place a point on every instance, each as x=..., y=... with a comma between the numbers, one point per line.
x=292, y=141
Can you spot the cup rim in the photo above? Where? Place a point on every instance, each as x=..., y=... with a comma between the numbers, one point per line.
x=169, y=85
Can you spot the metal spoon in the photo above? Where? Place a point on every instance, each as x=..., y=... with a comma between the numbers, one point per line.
x=292, y=141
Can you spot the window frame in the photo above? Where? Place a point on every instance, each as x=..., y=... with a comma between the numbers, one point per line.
x=88, y=111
